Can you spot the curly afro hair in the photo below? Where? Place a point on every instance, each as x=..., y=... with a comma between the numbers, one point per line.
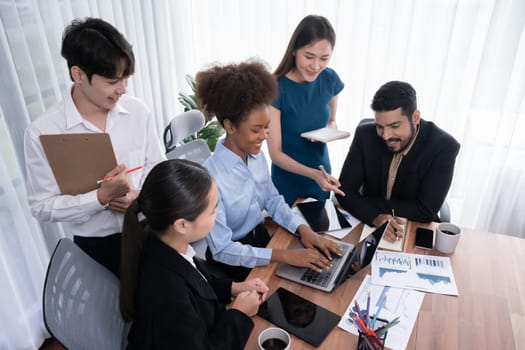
x=233, y=91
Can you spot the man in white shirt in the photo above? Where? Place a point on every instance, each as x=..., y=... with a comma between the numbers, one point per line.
x=100, y=61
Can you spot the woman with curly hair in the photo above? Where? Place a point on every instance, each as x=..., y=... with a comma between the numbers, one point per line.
x=239, y=95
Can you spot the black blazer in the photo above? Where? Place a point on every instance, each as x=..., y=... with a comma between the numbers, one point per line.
x=422, y=181
x=178, y=309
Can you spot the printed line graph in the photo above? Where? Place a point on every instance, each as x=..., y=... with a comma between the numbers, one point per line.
x=392, y=260
x=429, y=261
x=400, y=302
x=424, y=272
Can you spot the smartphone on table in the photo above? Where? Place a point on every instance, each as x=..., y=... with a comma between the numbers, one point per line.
x=424, y=238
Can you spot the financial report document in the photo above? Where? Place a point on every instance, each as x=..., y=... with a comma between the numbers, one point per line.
x=400, y=302
x=428, y=273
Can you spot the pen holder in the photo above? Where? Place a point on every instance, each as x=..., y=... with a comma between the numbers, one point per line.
x=362, y=343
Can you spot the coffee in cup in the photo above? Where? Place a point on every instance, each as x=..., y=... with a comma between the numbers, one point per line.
x=273, y=344
x=447, y=237
x=274, y=339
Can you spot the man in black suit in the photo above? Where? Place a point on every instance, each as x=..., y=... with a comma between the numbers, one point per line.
x=400, y=164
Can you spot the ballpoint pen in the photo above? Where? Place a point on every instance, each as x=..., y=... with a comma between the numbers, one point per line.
x=394, y=217
x=367, y=319
x=106, y=179
x=321, y=167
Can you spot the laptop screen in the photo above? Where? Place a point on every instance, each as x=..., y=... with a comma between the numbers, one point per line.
x=354, y=259
x=362, y=254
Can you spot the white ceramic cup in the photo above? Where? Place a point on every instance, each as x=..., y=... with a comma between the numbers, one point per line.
x=274, y=333
x=447, y=237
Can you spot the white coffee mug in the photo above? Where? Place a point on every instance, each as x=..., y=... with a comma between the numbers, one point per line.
x=447, y=237
x=274, y=338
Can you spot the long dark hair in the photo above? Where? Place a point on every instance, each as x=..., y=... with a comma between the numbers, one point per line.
x=173, y=189
x=312, y=28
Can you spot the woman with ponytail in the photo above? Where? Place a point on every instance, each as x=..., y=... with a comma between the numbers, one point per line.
x=172, y=303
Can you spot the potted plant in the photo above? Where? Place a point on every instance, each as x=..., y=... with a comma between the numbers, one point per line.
x=212, y=130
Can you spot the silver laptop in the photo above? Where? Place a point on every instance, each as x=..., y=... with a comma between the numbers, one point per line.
x=354, y=259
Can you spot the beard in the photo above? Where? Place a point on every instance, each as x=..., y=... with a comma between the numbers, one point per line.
x=408, y=141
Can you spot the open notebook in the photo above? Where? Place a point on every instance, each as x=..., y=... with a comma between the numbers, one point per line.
x=384, y=244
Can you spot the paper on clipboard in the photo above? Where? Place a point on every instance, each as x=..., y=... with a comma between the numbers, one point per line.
x=79, y=160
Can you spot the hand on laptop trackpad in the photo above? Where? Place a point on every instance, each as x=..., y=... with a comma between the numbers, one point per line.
x=354, y=258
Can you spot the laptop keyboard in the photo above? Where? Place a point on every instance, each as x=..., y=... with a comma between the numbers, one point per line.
x=322, y=278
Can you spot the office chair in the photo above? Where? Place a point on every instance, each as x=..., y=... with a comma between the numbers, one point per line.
x=81, y=301
x=182, y=126
x=444, y=212
x=196, y=150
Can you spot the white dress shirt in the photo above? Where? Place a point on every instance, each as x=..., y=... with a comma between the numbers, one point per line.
x=135, y=142
x=244, y=192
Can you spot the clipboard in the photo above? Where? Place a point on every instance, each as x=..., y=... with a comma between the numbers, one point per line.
x=79, y=160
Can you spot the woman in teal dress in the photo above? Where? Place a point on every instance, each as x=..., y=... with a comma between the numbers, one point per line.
x=308, y=92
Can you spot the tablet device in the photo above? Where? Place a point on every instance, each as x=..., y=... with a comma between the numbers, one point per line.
x=323, y=216
x=300, y=317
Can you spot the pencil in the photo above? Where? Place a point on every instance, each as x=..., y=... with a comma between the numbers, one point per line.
x=106, y=179
x=358, y=310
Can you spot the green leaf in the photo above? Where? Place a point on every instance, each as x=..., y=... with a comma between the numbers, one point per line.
x=191, y=81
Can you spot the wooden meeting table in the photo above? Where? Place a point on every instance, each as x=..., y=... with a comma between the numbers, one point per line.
x=489, y=312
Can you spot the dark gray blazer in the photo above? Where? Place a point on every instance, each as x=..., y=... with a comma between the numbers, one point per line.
x=178, y=309
x=422, y=181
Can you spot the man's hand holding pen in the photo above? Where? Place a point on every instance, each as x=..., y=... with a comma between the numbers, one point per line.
x=328, y=182
x=395, y=229
x=118, y=187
